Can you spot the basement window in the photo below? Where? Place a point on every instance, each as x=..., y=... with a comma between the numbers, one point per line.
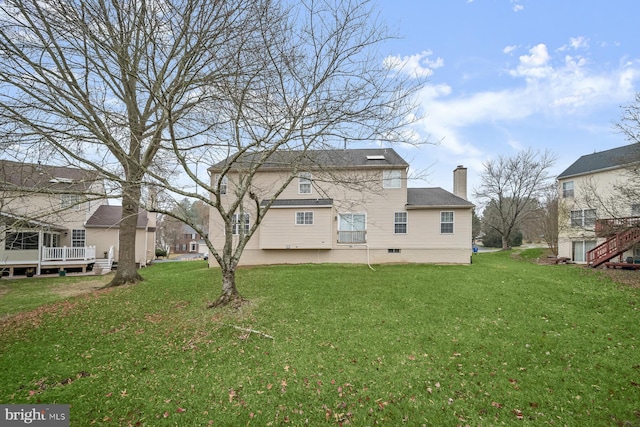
x=393, y=251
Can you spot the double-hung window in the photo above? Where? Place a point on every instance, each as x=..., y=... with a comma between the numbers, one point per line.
x=583, y=218
x=400, y=223
x=391, y=179
x=567, y=189
x=446, y=222
x=77, y=238
x=71, y=201
x=223, y=182
x=304, y=183
x=304, y=218
x=238, y=226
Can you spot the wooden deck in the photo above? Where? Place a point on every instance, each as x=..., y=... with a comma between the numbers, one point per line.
x=622, y=265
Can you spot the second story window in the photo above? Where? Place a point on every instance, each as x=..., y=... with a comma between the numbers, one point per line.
x=567, y=189
x=223, y=182
x=583, y=218
x=70, y=201
x=304, y=183
x=391, y=179
x=238, y=226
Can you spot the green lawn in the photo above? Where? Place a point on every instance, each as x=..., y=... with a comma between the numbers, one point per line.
x=500, y=342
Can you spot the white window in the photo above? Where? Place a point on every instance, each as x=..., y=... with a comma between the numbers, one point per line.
x=580, y=249
x=77, y=238
x=391, y=179
x=304, y=218
x=567, y=189
x=400, y=223
x=583, y=218
x=352, y=228
x=71, y=201
x=446, y=222
x=304, y=183
x=223, y=182
x=237, y=227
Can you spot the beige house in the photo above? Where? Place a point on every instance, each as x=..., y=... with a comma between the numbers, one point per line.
x=596, y=224
x=346, y=206
x=57, y=218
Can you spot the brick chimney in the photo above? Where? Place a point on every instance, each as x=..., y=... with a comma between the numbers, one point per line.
x=460, y=182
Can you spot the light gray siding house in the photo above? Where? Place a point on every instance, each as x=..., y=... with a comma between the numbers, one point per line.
x=321, y=217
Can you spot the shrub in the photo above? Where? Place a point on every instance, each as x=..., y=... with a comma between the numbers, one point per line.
x=160, y=252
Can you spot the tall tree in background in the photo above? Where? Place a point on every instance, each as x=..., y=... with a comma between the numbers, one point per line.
x=104, y=85
x=629, y=126
x=513, y=185
x=310, y=80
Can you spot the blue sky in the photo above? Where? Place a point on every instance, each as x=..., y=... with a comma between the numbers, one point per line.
x=506, y=75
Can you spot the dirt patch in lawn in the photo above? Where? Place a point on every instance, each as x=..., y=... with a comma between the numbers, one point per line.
x=73, y=289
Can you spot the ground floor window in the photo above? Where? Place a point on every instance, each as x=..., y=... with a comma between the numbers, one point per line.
x=78, y=238
x=24, y=240
x=580, y=249
x=400, y=223
x=446, y=222
x=51, y=240
x=352, y=228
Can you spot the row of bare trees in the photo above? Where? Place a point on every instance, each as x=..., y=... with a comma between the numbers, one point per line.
x=146, y=92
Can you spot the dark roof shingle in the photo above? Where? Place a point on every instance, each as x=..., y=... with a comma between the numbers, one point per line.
x=350, y=158
x=434, y=197
x=110, y=216
x=608, y=159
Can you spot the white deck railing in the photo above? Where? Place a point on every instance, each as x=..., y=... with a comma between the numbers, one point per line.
x=68, y=254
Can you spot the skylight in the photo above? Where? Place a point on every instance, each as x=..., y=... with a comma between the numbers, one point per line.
x=376, y=157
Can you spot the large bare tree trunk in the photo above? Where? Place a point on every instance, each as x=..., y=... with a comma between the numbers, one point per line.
x=127, y=272
x=230, y=295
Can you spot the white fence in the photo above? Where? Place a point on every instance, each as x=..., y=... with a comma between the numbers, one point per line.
x=68, y=254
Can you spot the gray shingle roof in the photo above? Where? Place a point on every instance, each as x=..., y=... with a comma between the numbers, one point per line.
x=434, y=197
x=28, y=176
x=603, y=160
x=365, y=157
x=110, y=216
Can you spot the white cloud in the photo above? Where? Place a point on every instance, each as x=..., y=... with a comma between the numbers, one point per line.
x=509, y=49
x=579, y=42
x=418, y=65
x=542, y=85
x=517, y=7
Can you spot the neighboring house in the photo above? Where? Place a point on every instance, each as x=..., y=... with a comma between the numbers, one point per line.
x=321, y=218
x=44, y=214
x=596, y=223
x=103, y=229
x=187, y=240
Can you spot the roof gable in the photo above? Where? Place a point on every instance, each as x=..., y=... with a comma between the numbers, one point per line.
x=603, y=160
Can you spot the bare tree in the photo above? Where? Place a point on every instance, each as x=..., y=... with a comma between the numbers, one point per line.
x=310, y=81
x=107, y=84
x=513, y=185
x=629, y=126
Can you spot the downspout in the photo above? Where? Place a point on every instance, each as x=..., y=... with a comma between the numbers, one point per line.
x=359, y=244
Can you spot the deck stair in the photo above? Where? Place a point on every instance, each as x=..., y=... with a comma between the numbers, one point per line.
x=614, y=246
